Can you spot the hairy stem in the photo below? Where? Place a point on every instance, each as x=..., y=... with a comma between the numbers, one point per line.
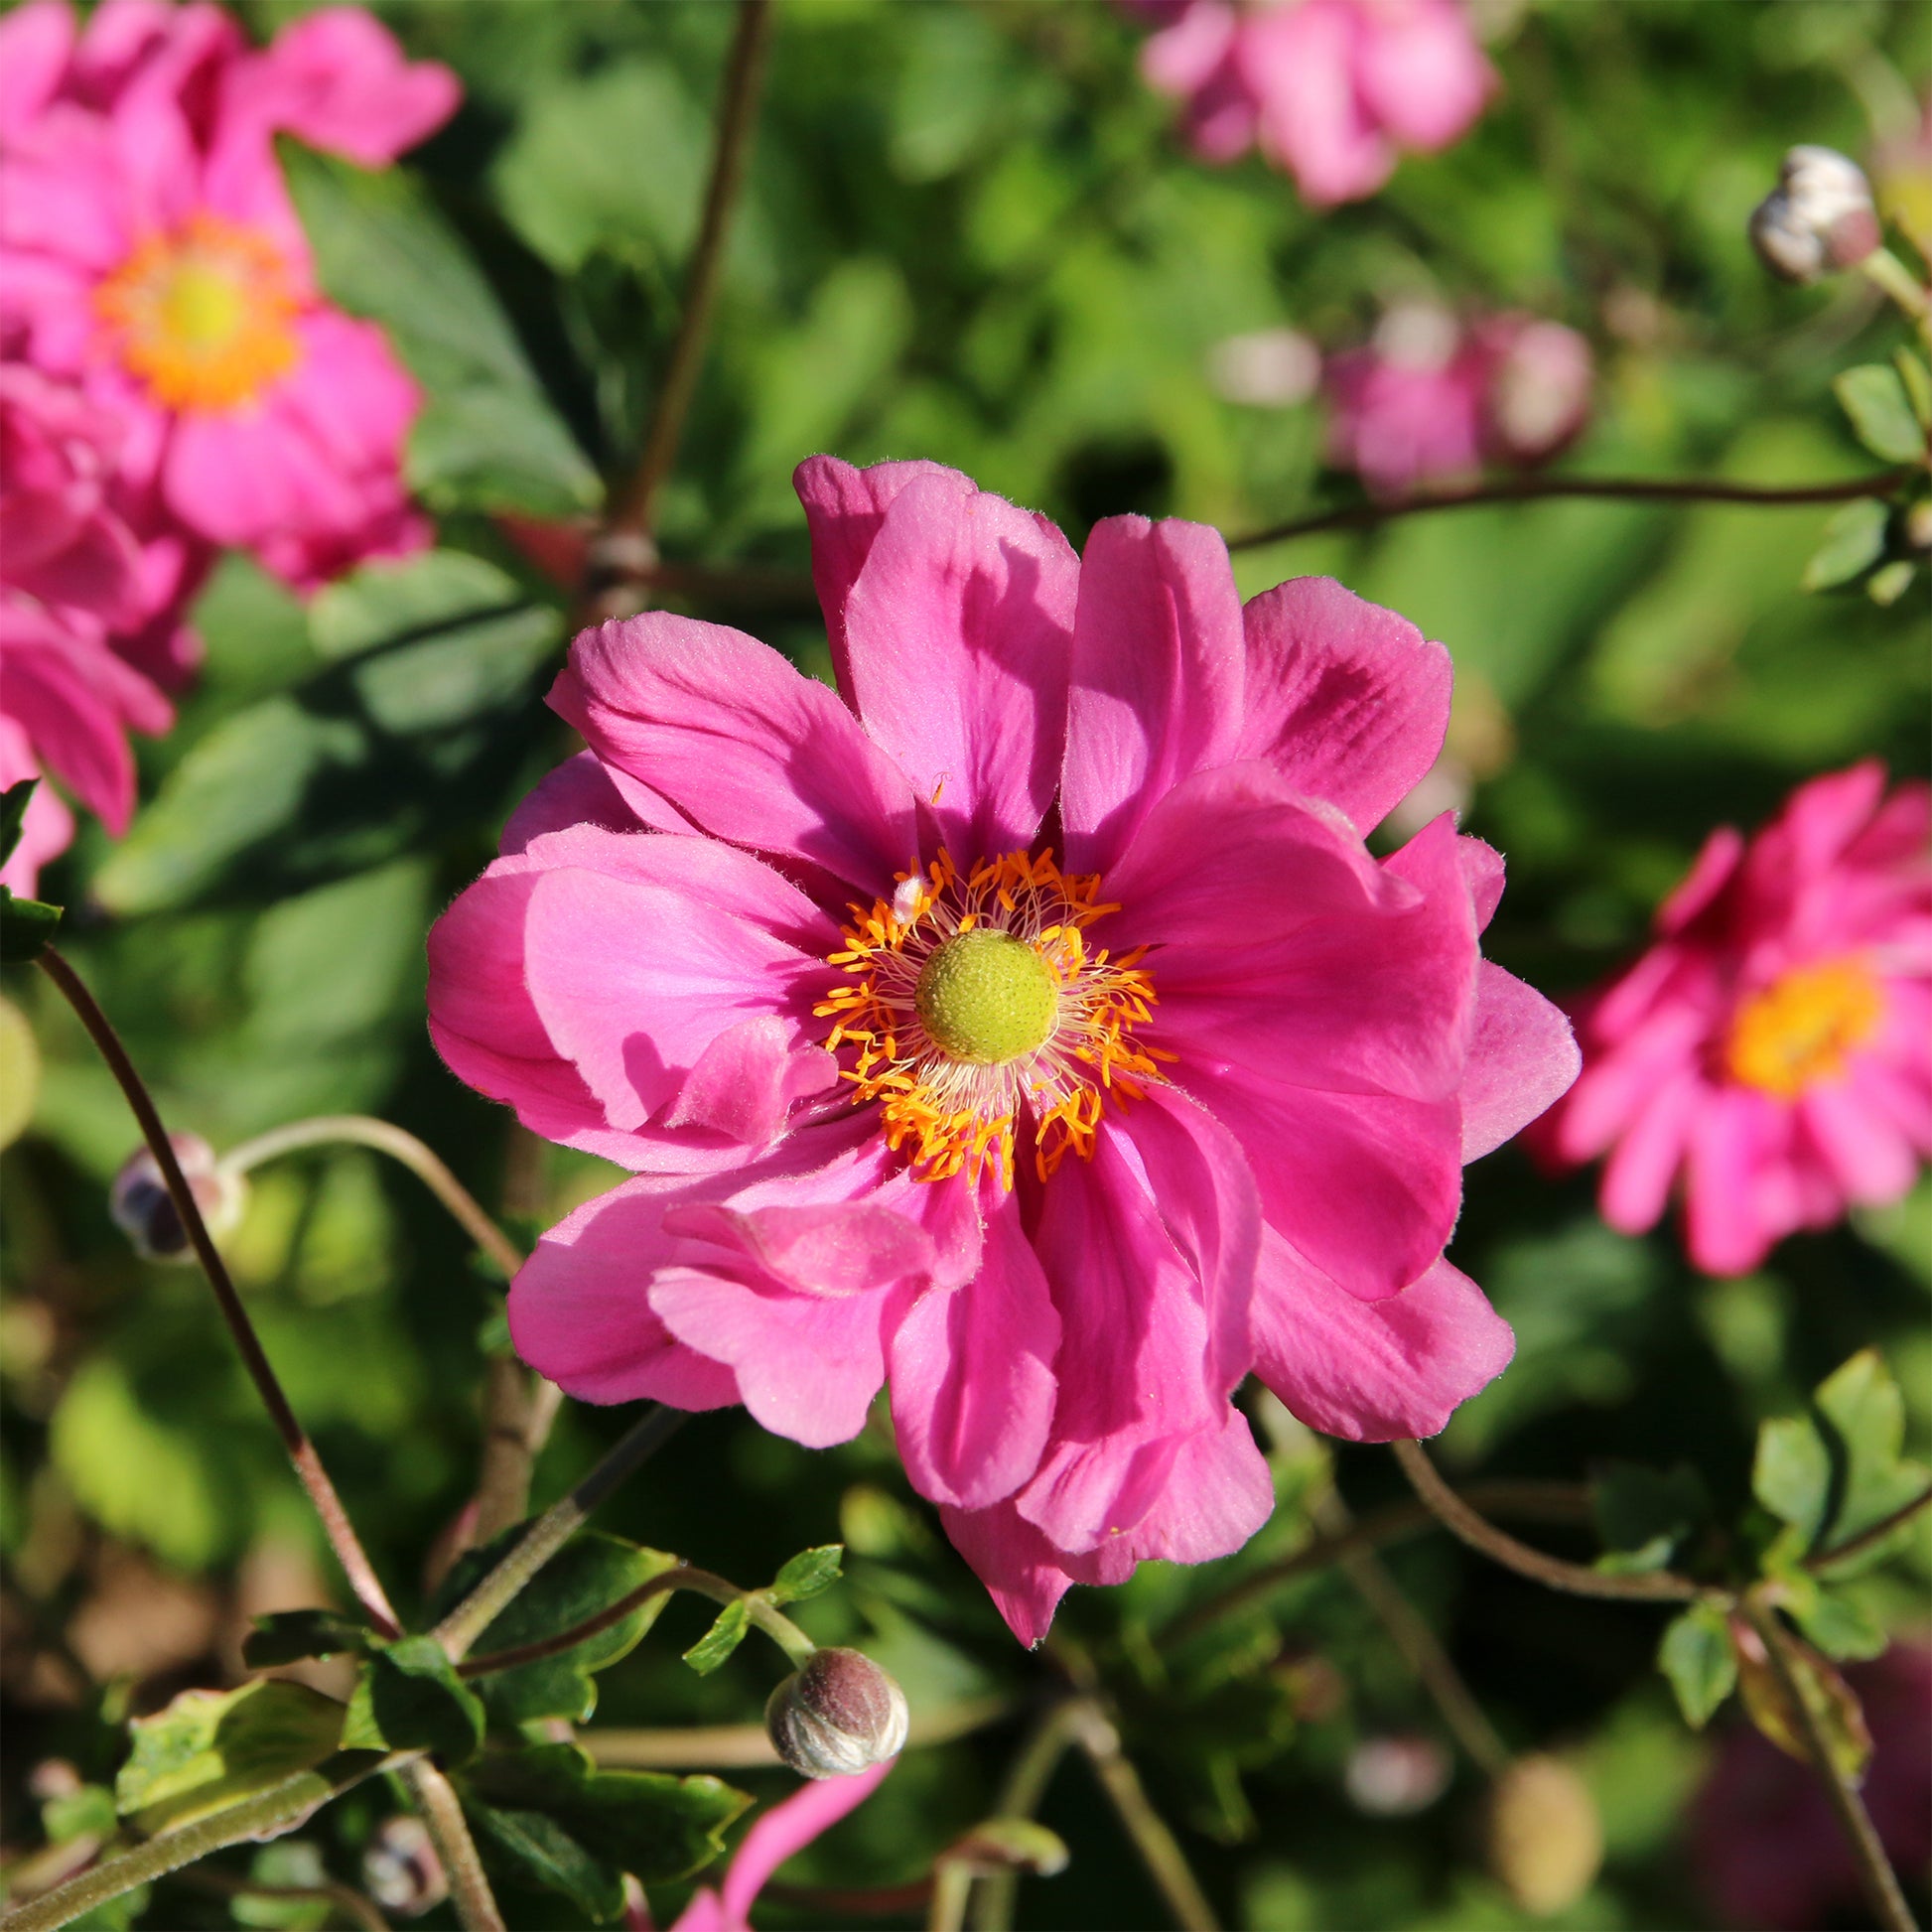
x=442, y=1812
x=1875, y=1869
x=301, y=1451
x=364, y=1130
x=1525, y=489
x=1577, y=1580
x=553, y=1529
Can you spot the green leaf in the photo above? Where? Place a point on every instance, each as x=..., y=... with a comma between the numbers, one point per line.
x=1863, y=1416
x=545, y=1817
x=1832, y=1699
x=589, y=1573
x=1837, y=1625
x=410, y=1698
x=209, y=1748
x=1697, y=1657
x=1876, y=399
x=286, y=1636
x=488, y=437
x=1854, y=540
x=1890, y=583
x=86, y=1813
x=808, y=1573
x=1914, y=375
x=290, y=1862
x=1646, y=1515
x=13, y=814
x=26, y=927
x=724, y=1636
x=1792, y=1473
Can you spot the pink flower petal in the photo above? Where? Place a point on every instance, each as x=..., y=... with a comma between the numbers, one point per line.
x=36, y=42
x=1643, y=1164
x=787, y=1829
x=578, y=792
x=1024, y=1574
x=1522, y=1060
x=1420, y=73
x=743, y=1085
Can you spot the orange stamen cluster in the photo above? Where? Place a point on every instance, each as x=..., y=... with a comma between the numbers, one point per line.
x=1799, y=1030
x=204, y=317
x=957, y=1115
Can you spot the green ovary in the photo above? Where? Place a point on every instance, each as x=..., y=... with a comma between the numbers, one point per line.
x=202, y=305
x=986, y=997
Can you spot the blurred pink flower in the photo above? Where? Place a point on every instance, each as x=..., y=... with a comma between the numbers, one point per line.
x=1032, y=1028
x=1330, y=89
x=150, y=252
x=1767, y=1849
x=1431, y=399
x=71, y=574
x=783, y=1831
x=1774, y=1047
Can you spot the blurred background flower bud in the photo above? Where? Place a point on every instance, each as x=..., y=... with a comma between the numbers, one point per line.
x=1537, y=394
x=1818, y=219
x=1396, y=1775
x=142, y=1210
x=1271, y=368
x=836, y=1716
x=400, y=1869
x=1543, y=1839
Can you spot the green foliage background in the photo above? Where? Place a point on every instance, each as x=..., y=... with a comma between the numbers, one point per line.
x=970, y=236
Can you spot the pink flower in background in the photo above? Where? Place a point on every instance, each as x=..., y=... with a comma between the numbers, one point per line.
x=783, y=1832
x=1772, y=1051
x=1431, y=399
x=1766, y=1847
x=71, y=574
x=149, y=252
x=1330, y=89
x=1032, y=1028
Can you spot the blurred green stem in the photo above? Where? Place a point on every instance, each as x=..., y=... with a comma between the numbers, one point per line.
x=442, y=1812
x=1882, y=268
x=301, y=1451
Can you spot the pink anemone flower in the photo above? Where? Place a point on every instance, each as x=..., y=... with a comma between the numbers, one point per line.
x=783, y=1832
x=1774, y=1047
x=1330, y=89
x=150, y=251
x=1025, y=1024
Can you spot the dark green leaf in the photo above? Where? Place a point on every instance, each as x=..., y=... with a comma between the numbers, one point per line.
x=410, y=1698
x=288, y=1635
x=808, y=1573
x=1864, y=1415
x=1697, y=1657
x=27, y=927
x=1874, y=398
x=1646, y=1515
x=208, y=1749
x=1854, y=540
x=13, y=814
x=1792, y=1473
x=724, y=1636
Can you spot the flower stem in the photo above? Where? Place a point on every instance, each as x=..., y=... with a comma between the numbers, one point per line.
x=714, y=1748
x=301, y=1451
x=1577, y=1580
x=364, y=1130
x=553, y=1529
x=1875, y=1869
x=442, y=1812
x=1882, y=268
x=1525, y=489
x=1020, y=1794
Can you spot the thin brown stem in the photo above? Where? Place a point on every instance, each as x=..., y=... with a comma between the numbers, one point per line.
x=1161, y=1852
x=1577, y=1580
x=442, y=1811
x=1525, y=489
x=1869, y=1539
x=1875, y=1869
x=633, y=508
x=859, y=1901
x=364, y=1130
x=1546, y=1502
x=301, y=1451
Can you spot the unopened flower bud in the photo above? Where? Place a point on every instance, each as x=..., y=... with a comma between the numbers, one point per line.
x=400, y=1869
x=145, y=1212
x=1544, y=1838
x=1397, y=1777
x=837, y=1715
x=1818, y=219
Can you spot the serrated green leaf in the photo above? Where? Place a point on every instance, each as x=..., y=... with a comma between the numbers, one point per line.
x=13, y=814
x=1646, y=1515
x=1854, y=540
x=1865, y=1414
x=592, y=1571
x=27, y=927
x=1874, y=398
x=286, y=1636
x=1697, y=1657
x=209, y=1748
x=808, y=1573
x=724, y=1636
x=409, y=1697
x=546, y=1817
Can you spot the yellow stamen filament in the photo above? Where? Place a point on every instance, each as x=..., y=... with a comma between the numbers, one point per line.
x=204, y=317
x=1799, y=1030
x=957, y=1114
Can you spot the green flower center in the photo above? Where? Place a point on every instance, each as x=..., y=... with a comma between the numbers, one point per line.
x=985, y=997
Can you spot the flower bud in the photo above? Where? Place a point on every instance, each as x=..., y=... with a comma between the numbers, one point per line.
x=837, y=1715
x=400, y=1869
x=145, y=1212
x=1543, y=1839
x=1818, y=219
x=1397, y=1777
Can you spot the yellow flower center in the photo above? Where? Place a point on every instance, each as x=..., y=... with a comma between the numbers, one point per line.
x=1799, y=1030
x=974, y=1005
x=204, y=317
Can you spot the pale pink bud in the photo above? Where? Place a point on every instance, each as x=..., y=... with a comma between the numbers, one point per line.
x=1394, y=1776
x=1538, y=395
x=400, y=1869
x=1818, y=219
x=145, y=1212
x=1272, y=369
x=836, y=1716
